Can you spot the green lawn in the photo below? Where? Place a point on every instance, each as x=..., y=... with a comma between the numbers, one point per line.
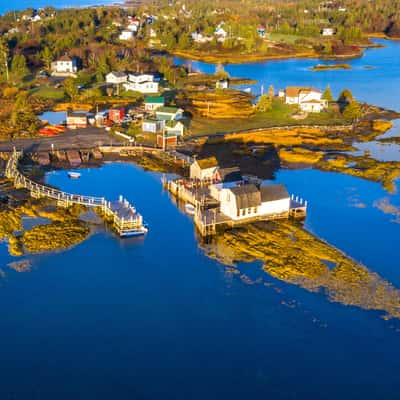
x=48, y=92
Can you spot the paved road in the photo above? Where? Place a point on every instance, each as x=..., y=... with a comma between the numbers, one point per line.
x=80, y=139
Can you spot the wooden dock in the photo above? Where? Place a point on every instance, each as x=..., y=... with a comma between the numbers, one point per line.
x=124, y=216
x=208, y=217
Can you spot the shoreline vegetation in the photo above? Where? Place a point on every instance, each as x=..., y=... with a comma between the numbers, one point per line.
x=328, y=67
x=291, y=254
x=211, y=57
x=56, y=228
x=324, y=148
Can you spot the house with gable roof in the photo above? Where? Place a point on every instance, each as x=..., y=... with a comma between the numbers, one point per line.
x=309, y=99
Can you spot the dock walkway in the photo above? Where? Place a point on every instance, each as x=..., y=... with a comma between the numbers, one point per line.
x=124, y=216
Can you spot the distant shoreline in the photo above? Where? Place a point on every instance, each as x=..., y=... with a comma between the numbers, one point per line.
x=61, y=6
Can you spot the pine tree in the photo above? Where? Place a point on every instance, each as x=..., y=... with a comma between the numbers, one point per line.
x=352, y=111
x=345, y=96
x=4, y=54
x=18, y=67
x=328, y=94
x=47, y=57
x=264, y=103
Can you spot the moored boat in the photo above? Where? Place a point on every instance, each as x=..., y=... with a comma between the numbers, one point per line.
x=134, y=232
x=190, y=209
x=74, y=175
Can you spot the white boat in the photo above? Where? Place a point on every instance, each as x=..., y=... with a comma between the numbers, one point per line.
x=134, y=232
x=74, y=175
x=190, y=209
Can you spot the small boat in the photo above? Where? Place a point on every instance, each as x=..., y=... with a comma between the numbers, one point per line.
x=190, y=209
x=134, y=232
x=74, y=175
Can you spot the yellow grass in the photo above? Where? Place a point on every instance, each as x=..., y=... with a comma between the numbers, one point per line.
x=72, y=106
x=300, y=155
x=286, y=137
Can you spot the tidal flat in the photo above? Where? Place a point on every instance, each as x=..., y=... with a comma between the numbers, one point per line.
x=292, y=254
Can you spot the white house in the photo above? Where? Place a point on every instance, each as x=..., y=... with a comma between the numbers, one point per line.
x=200, y=38
x=327, y=31
x=220, y=33
x=174, y=128
x=141, y=83
x=222, y=84
x=204, y=169
x=116, y=77
x=126, y=35
x=308, y=98
x=153, y=125
x=275, y=199
x=169, y=113
x=65, y=66
x=249, y=201
x=133, y=28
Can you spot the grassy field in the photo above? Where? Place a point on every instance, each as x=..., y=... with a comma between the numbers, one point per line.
x=47, y=92
x=280, y=115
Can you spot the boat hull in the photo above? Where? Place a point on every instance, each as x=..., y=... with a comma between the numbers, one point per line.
x=133, y=232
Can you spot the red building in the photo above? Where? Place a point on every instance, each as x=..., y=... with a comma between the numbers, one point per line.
x=116, y=115
x=167, y=140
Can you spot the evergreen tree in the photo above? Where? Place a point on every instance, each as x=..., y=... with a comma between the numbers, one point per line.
x=4, y=54
x=264, y=103
x=18, y=67
x=71, y=89
x=327, y=95
x=352, y=111
x=345, y=97
x=47, y=57
x=22, y=115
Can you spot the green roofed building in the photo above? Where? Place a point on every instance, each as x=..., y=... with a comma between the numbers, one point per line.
x=153, y=103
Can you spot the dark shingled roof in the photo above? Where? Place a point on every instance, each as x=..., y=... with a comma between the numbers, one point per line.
x=246, y=196
x=231, y=174
x=118, y=74
x=273, y=192
x=65, y=57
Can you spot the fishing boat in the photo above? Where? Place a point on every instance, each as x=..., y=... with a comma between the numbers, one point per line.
x=190, y=209
x=74, y=175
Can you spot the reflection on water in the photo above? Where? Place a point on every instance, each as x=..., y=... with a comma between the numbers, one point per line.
x=293, y=255
x=53, y=117
x=380, y=150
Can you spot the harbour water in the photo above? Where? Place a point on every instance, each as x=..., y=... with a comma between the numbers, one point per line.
x=24, y=4
x=154, y=317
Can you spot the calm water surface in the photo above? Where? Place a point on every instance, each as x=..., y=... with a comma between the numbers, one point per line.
x=6, y=6
x=155, y=318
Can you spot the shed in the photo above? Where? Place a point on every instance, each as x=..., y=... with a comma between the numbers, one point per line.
x=204, y=169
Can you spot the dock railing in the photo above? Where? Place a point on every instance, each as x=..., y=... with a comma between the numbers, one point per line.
x=64, y=199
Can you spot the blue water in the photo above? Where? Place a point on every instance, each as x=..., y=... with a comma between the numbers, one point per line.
x=23, y=4
x=378, y=85
x=155, y=318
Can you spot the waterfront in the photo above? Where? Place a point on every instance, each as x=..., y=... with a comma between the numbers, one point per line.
x=117, y=316
x=23, y=4
x=154, y=317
